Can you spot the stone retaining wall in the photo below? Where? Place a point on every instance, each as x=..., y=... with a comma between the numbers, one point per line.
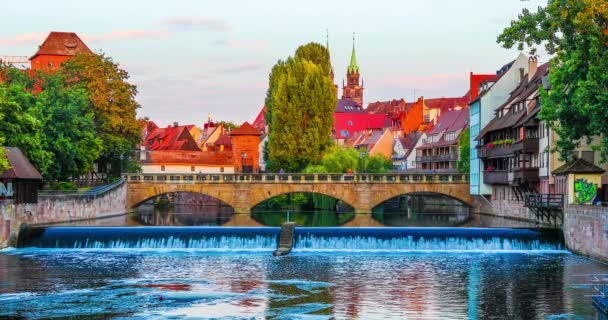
x=586, y=231
x=58, y=209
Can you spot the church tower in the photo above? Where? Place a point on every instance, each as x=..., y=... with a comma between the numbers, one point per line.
x=352, y=90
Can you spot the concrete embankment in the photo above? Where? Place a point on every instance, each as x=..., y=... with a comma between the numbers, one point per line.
x=54, y=209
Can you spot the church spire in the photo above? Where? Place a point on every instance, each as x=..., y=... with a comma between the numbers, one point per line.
x=353, y=67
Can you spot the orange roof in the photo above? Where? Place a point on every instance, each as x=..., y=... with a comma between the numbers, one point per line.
x=245, y=130
x=62, y=44
x=185, y=157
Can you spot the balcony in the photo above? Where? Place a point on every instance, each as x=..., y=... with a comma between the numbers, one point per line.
x=525, y=174
x=438, y=158
x=526, y=145
x=485, y=152
x=495, y=177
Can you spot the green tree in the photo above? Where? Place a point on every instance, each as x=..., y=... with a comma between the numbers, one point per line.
x=315, y=53
x=302, y=104
x=21, y=122
x=3, y=160
x=228, y=125
x=464, y=144
x=113, y=103
x=340, y=159
x=575, y=32
x=69, y=128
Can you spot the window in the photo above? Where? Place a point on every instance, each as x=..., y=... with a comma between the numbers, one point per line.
x=588, y=155
x=162, y=168
x=474, y=130
x=522, y=73
x=192, y=168
x=350, y=123
x=344, y=133
x=221, y=169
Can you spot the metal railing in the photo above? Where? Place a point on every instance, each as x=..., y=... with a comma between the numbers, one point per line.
x=544, y=200
x=91, y=193
x=298, y=178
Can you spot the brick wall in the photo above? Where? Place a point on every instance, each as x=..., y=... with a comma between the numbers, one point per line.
x=586, y=230
x=58, y=209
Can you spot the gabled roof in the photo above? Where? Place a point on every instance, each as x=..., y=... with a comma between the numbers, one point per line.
x=578, y=166
x=260, y=121
x=170, y=138
x=20, y=166
x=245, y=130
x=223, y=140
x=62, y=44
x=348, y=106
x=445, y=104
x=450, y=121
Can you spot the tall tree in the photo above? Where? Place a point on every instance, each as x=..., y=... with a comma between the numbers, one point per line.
x=576, y=32
x=303, y=102
x=114, y=107
x=22, y=125
x=464, y=144
x=316, y=54
x=68, y=127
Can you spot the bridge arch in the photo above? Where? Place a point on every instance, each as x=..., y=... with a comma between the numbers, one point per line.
x=272, y=195
x=458, y=192
x=140, y=193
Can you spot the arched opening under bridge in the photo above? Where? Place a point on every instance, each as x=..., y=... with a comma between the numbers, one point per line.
x=308, y=209
x=422, y=210
x=182, y=209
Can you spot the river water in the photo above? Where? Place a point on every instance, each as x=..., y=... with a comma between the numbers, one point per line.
x=229, y=273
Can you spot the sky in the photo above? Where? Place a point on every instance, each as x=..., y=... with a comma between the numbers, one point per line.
x=190, y=58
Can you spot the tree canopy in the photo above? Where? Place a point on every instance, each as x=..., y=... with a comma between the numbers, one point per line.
x=464, y=146
x=340, y=159
x=113, y=104
x=300, y=101
x=576, y=33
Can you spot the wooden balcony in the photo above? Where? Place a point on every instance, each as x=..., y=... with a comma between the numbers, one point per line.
x=525, y=174
x=438, y=157
x=502, y=151
x=495, y=177
x=526, y=145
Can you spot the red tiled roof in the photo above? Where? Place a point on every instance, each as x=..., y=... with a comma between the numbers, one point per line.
x=21, y=167
x=245, y=130
x=62, y=44
x=354, y=122
x=388, y=106
x=223, y=140
x=189, y=157
x=170, y=138
x=450, y=121
x=445, y=104
x=260, y=121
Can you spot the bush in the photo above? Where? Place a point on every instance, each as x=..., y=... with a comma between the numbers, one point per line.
x=65, y=186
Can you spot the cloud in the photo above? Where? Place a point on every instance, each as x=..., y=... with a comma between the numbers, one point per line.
x=128, y=34
x=253, y=45
x=23, y=39
x=204, y=23
x=240, y=68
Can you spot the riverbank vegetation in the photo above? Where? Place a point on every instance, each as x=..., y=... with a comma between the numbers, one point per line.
x=72, y=120
x=575, y=32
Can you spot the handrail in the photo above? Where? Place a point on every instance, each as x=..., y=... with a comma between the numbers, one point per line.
x=298, y=178
x=92, y=193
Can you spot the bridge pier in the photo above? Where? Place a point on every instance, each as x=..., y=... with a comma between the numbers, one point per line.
x=363, y=220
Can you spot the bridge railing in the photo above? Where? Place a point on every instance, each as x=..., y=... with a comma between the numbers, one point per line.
x=298, y=178
x=92, y=193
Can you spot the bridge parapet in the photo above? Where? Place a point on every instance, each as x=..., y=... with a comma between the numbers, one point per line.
x=322, y=178
x=244, y=191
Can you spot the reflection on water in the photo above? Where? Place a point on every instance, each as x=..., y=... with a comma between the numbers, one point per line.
x=36, y=283
x=305, y=209
x=422, y=210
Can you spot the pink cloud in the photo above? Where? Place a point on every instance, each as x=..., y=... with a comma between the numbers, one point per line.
x=23, y=39
x=253, y=45
x=199, y=22
x=128, y=34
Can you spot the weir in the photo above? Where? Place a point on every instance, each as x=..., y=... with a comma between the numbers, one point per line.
x=304, y=239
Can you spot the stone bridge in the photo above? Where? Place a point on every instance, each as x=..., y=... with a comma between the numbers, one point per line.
x=244, y=191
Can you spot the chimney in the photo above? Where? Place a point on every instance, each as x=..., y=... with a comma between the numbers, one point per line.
x=175, y=124
x=532, y=66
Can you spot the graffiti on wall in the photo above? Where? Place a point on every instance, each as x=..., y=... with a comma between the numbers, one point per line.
x=6, y=190
x=584, y=191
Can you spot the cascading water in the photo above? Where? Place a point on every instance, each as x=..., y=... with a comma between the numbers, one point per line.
x=156, y=238
x=422, y=239
x=306, y=239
